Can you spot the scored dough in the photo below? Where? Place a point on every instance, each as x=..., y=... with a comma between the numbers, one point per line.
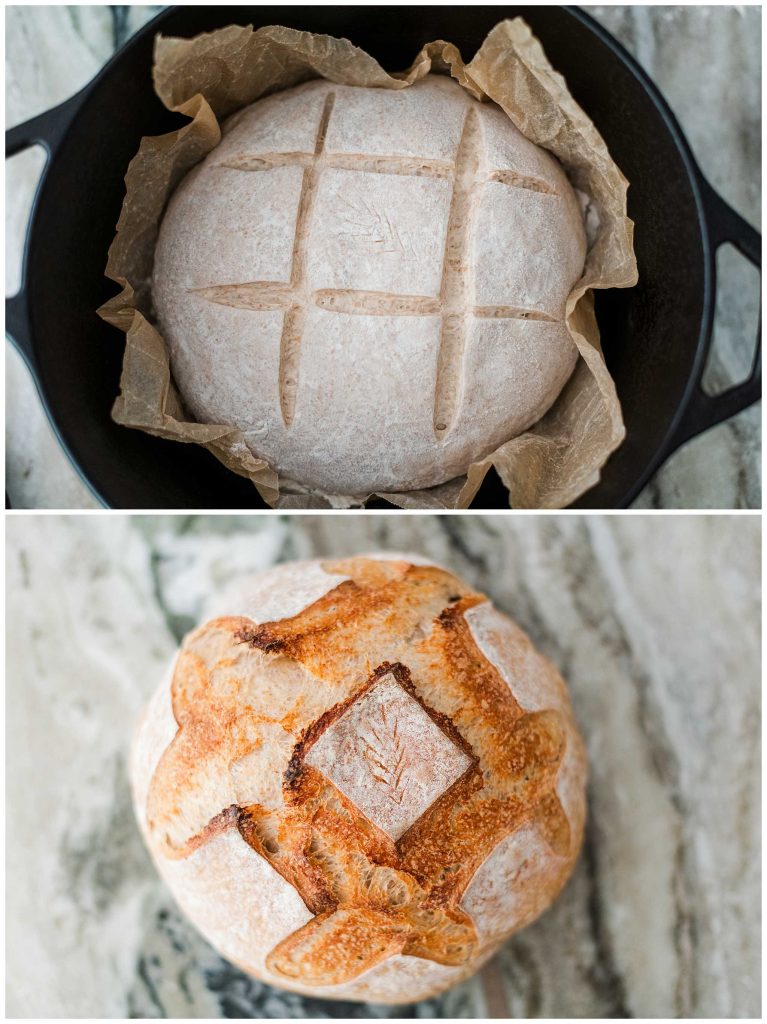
x=370, y=284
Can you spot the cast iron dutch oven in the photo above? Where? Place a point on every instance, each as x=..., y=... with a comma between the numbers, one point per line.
x=656, y=336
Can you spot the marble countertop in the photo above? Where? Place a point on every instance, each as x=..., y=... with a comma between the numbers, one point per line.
x=653, y=621
x=715, y=92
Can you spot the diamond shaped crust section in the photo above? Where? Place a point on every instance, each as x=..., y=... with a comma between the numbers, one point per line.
x=388, y=757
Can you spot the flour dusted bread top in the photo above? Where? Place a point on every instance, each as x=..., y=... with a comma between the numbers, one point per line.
x=362, y=795
x=370, y=284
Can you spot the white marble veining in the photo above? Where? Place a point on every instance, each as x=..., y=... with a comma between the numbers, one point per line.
x=714, y=90
x=653, y=621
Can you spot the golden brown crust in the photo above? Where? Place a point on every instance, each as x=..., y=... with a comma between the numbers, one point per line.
x=338, y=945
x=372, y=896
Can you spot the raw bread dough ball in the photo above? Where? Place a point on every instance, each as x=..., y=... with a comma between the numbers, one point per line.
x=370, y=283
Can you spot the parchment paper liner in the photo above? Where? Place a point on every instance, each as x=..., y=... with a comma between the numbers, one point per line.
x=212, y=75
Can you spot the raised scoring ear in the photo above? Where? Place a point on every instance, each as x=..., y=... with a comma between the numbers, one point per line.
x=191, y=794
x=338, y=946
x=363, y=621
x=447, y=937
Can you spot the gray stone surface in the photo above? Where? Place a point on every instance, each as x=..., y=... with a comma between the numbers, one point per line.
x=655, y=623
x=707, y=62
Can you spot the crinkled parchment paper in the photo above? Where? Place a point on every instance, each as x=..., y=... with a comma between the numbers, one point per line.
x=212, y=75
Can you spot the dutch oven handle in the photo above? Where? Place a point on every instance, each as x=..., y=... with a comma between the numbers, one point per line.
x=704, y=411
x=46, y=130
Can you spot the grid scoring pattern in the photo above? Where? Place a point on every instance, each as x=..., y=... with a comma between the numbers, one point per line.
x=455, y=301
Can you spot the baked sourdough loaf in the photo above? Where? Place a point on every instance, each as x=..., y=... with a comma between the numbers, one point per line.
x=370, y=284
x=360, y=778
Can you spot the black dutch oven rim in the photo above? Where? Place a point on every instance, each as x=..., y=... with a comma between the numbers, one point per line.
x=719, y=224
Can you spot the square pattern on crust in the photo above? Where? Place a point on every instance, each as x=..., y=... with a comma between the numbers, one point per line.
x=378, y=232
x=389, y=757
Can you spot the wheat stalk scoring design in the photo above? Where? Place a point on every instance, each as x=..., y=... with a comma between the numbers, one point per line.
x=385, y=750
